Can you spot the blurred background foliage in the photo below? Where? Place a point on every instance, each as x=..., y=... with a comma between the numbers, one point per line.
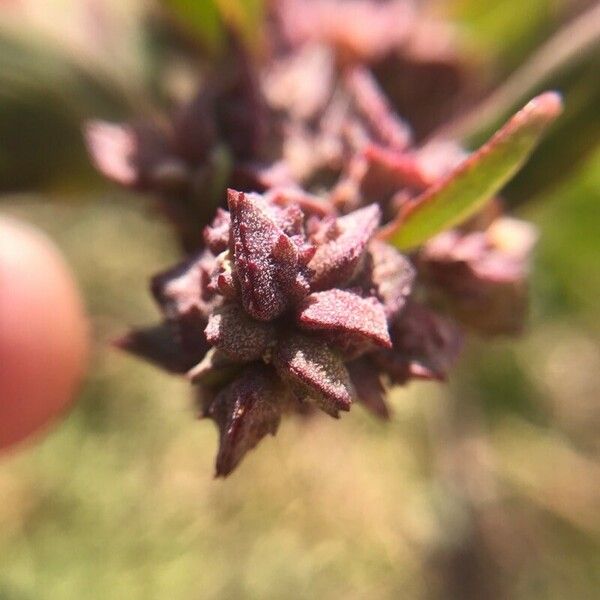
x=486, y=488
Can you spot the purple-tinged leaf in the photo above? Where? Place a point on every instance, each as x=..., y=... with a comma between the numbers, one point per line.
x=337, y=261
x=344, y=313
x=473, y=182
x=370, y=391
x=265, y=260
x=125, y=154
x=425, y=346
x=237, y=335
x=391, y=277
x=388, y=171
x=245, y=411
x=481, y=276
x=161, y=345
x=308, y=363
x=369, y=99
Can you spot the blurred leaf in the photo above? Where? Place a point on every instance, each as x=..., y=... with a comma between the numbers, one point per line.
x=556, y=60
x=507, y=31
x=567, y=273
x=576, y=134
x=474, y=181
x=247, y=16
x=567, y=61
x=47, y=87
x=200, y=17
x=209, y=19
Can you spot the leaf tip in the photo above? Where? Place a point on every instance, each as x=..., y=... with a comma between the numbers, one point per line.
x=535, y=117
x=547, y=106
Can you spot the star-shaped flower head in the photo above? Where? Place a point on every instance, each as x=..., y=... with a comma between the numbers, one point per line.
x=290, y=309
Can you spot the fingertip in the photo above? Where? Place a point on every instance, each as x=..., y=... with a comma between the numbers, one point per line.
x=43, y=333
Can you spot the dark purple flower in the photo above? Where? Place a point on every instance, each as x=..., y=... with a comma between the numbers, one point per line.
x=309, y=306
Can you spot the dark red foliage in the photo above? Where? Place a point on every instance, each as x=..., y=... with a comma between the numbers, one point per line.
x=268, y=264
x=287, y=308
x=309, y=303
x=245, y=411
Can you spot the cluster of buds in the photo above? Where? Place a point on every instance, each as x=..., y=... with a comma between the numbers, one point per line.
x=294, y=292
x=293, y=116
x=288, y=307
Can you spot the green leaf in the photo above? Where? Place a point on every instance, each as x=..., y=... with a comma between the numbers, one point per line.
x=209, y=19
x=473, y=182
x=246, y=17
x=201, y=17
x=48, y=85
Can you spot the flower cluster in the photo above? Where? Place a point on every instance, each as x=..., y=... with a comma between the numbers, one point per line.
x=285, y=308
x=290, y=295
x=296, y=118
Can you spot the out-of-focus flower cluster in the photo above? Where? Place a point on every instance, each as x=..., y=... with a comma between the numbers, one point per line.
x=288, y=296
x=300, y=114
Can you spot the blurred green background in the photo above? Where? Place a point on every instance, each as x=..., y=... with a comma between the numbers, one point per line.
x=486, y=488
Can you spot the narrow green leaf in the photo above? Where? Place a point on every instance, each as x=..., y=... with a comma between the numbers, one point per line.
x=473, y=182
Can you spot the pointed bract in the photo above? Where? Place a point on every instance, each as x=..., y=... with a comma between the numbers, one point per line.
x=345, y=314
x=238, y=335
x=245, y=411
x=336, y=262
x=366, y=378
x=266, y=261
x=309, y=363
x=162, y=345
